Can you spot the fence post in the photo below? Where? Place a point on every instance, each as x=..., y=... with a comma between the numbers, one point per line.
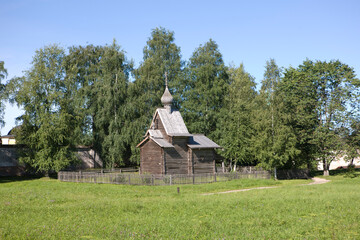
x=129, y=179
x=215, y=177
x=152, y=179
x=170, y=179
x=193, y=177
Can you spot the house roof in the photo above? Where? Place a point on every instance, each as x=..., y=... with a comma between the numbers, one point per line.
x=201, y=141
x=8, y=136
x=162, y=143
x=174, y=125
x=154, y=133
x=173, y=122
x=159, y=141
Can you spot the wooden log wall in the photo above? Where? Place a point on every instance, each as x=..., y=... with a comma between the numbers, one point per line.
x=177, y=158
x=203, y=161
x=151, y=158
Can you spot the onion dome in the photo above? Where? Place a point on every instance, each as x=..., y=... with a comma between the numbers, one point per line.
x=166, y=98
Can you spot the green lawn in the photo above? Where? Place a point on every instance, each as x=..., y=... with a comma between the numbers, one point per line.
x=49, y=209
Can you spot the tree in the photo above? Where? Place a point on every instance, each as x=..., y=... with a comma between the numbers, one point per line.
x=161, y=55
x=3, y=75
x=352, y=141
x=110, y=99
x=274, y=142
x=47, y=125
x=206, y=87
x=82, y=67
x=99, y=76
x=321, y=97
x=236, y=126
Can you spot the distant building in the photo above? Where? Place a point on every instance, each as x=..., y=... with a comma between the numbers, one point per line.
x=340, y=162
x=10, y=166
x=168, y=147
x=9, y=139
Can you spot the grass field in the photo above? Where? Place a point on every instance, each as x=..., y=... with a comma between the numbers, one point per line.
x=49, y=209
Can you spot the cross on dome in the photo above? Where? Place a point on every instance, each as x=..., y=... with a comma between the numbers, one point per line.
x=166, y=98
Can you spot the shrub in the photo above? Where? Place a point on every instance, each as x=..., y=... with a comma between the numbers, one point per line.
x=119, y=178
x=146, y=179
x=350, y=171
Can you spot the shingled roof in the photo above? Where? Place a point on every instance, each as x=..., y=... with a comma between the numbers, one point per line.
x=201, y=141
x=174, y=126
x=173, y=122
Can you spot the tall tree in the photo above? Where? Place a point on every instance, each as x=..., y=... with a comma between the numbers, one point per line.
x=100, y=75
x=321, y=97
x=47, y=126
x=352, y=141
x=82, y=67
x=161, y=55
x=274, y=142
x=110, y=100
x=3, y=75
x=236, y=126
x=203, y=97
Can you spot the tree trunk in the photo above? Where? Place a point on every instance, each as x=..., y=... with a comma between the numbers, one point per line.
x=351, y=162
x=326, y=168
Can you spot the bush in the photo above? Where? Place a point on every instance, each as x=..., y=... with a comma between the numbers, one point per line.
x=350, y=171
x=166, y=180
x=231, y=176
x=146, y=179
x=119, y=178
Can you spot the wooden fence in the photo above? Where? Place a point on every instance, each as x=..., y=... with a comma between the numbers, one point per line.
x=150, y=179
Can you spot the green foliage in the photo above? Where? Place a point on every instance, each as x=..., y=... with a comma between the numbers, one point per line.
x=100, y=76
x=47, y=125
x=320, y=98
x=161, y=55
x=206, y=88
x=85, y=97
x=111, y=94
x=274, y=141
x=3, y=75
x=236, y=125
x=351, y=138
x=82, y=66
x=3, y=71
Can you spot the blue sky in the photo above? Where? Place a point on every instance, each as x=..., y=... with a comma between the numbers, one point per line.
x=248, y=32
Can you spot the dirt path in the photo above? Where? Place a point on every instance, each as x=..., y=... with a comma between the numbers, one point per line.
x=315, y=180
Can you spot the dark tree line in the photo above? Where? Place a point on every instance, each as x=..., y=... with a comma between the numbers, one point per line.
x=84, y=96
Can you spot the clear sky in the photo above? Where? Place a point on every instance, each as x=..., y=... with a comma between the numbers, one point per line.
x=248, y=32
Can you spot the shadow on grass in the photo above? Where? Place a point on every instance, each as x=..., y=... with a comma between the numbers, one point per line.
x=18, y=178
x=338, y=172
x=27, y=176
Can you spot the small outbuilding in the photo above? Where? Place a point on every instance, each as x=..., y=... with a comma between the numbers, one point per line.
x=9, y=139
x=169, y=148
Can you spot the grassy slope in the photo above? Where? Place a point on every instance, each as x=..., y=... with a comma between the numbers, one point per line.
x=48, y=209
